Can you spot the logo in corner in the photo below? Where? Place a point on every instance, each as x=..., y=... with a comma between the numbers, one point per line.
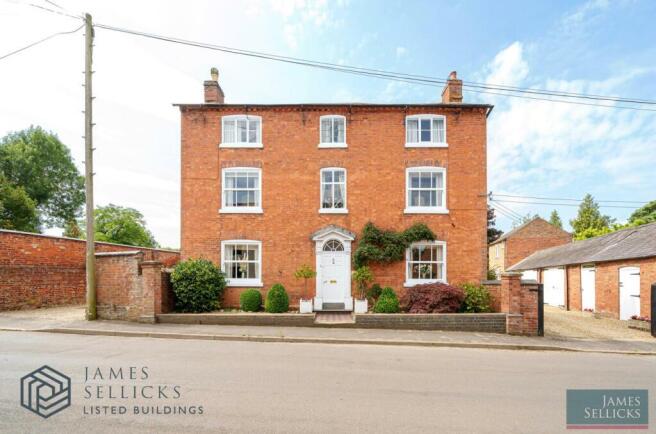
x=45, y=391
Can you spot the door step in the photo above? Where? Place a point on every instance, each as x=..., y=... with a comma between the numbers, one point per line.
x=334, y=318
x=333, y=307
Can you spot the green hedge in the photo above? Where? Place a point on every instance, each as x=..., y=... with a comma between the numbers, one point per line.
x=388, y=302
x=277, y=300
x=197, y=284
x=250, y=300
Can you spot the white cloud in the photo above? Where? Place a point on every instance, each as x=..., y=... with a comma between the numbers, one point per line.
x=584, y=14
x=400, y=52
x=301, y=17
x=508, y=67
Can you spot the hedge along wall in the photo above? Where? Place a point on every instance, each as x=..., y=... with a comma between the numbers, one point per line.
x=41, y=270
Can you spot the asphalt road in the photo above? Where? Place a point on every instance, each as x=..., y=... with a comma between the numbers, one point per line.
x=282, y=387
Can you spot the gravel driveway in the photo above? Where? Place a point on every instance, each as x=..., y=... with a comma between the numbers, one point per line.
x=574, y=324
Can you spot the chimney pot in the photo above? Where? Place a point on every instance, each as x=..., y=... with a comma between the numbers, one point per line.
x=452, y=92
x=213, y=92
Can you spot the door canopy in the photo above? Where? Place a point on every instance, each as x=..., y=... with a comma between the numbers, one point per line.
x=333, y=236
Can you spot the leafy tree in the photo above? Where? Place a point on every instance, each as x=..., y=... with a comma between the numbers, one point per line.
x=17, y=209
x=644, y=215
x=555, y=219
x=41, y=164
x=589, y=221
x=116, y=224
x=72, y=229
x=493, y=233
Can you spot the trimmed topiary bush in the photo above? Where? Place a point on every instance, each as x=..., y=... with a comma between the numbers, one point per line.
x=477, y=298
x=433, y=298
x=388, y=302
x=250, y=300
x=277, y=300
x=198, y=285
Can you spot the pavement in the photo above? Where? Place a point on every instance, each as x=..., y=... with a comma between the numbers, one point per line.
x=245, y=387
x=69, y=320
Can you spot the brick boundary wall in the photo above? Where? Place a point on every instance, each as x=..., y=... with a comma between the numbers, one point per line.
x=468, y=322
x=39, y=270
x=518, y=299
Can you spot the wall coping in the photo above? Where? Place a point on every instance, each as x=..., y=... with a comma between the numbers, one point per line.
x=150, y=263
x=124, y=253
x=490, y=282
x=32, y=234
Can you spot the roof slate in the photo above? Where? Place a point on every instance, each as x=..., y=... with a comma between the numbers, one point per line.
x=630, y=243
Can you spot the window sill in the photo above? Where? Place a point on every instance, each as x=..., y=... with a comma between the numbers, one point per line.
x=333, y=211
x=333, y=145
x=411, y=283
x=418, y=210
x=241, y=211
x=242, y=283
x=427, y=145
x=241, y=145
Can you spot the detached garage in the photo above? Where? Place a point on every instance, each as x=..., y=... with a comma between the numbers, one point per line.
x=611, y=274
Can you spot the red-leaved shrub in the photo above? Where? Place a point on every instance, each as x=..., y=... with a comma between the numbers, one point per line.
x=433, y=298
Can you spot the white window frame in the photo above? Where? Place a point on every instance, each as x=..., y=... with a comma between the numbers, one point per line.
x=425, y=209
x=496, y=253
x=408, y=256
x=323, y=210
x=240, y=209
x=243, y=282
x=332, y=144
x=234, y=144
x=429, y=144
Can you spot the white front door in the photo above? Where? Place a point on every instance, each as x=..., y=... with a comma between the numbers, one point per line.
x=334, y=275
x=629, y=292
x=588, y=287
x=554, y=286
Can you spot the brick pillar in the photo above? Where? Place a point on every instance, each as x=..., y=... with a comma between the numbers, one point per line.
x=151, y=288
x=511, y=301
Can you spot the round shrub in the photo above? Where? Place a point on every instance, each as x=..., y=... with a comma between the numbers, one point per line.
x=250, y=300
x=197, y=284
x=277, y=300
x=477, y=298
x=388, y=302
x=433, y=298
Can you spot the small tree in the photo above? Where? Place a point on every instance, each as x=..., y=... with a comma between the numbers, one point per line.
x=305, y=272
x=362, y=277
x=555, y=220
x=589, y=220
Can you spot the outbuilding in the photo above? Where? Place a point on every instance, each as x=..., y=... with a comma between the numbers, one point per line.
x=611, y=274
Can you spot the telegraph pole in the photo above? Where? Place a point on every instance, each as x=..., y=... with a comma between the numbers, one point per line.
x=88, y=168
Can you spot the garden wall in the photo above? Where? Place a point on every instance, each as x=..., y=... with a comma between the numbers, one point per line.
x=40, y=270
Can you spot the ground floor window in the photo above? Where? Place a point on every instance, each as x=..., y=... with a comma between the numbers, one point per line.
x=426, y=262
x=241, y=261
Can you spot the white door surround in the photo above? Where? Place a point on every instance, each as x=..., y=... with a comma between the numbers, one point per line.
x=554, y=286
x=333, y=265
x=588, y=287
x=629, y=292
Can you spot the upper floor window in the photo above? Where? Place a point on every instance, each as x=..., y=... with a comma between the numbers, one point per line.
x=241, y=190
x=426, y=190
x=425, y=131
x=333, y=132
x=333, y=190
x=241, y=261
x=425, y=263
x=241, y=131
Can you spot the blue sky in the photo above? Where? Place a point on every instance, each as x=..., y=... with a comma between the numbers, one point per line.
x=535, y=148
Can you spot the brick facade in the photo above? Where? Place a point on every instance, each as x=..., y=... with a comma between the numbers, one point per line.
x=375, y=161
x=40, y=270
x=527, y=239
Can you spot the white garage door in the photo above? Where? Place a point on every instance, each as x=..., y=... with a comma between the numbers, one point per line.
x=588, y=287
x=629, y=292
x=530, y=275
x=554, y=286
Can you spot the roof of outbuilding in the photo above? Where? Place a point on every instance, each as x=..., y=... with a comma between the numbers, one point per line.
x=630, y=243
x=516, y=230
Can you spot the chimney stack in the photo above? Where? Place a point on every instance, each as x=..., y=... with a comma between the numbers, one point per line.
x=213, y=92
x=452, y=92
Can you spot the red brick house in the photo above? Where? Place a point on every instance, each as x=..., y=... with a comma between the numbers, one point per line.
x=267, y=188
x=522, y=241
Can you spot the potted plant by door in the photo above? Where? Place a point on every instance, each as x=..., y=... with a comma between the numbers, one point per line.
x=305, y=272
x=362, y=277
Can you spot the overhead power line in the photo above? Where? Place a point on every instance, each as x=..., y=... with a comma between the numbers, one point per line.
x=568, y=199
x=561, y=204
x=409, y=78
x=39, y=42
